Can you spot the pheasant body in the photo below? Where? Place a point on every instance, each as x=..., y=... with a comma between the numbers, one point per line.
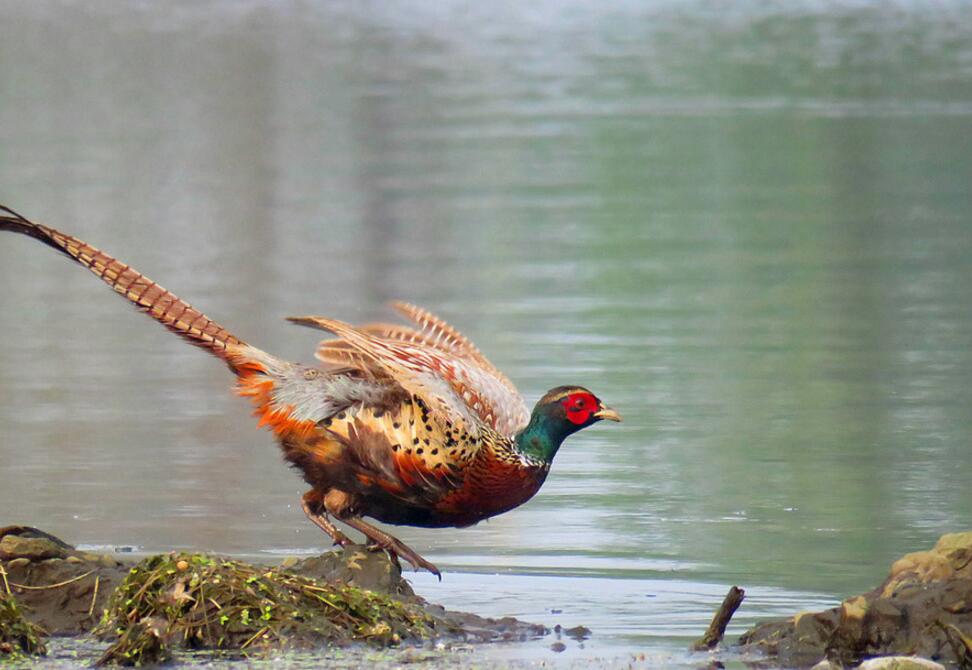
x=407, y=425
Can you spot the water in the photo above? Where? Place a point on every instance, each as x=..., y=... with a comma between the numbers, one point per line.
x=745, y=227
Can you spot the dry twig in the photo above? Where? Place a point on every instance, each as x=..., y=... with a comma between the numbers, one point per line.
x=717, y=629
x=50, y=586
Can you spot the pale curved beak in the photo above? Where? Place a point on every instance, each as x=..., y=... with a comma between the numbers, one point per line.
x=607, y=413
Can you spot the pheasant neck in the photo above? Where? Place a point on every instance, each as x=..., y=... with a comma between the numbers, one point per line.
x=541, y=438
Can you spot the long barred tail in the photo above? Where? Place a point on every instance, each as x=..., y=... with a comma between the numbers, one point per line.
x=177, y=315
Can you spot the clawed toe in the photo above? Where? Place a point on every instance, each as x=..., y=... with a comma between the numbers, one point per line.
x=417, y=561
x=423, y=564
x=395, y=547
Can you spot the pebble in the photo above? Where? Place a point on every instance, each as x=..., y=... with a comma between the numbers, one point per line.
x=887, y=663
x=900, y=663
x=578, y=632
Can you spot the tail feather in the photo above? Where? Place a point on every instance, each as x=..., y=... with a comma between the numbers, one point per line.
x=175, y=314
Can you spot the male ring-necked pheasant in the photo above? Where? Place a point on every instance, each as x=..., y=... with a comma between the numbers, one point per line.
x=409, y=425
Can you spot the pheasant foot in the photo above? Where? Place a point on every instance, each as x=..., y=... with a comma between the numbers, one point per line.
x=310, y=503
x=392, y=545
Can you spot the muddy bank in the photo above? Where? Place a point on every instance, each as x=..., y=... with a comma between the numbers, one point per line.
x=165, y=602
x=923, y=608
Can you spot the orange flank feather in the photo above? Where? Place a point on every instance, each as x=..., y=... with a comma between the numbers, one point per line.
x=253, y=383
x=388, y=486
x=413, y=470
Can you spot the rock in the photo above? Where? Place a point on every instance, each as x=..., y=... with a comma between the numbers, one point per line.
x=922, y=609
x=30, y=531
x=900, y=663
x=18, y=563
x=107, y=561
x=31, y=548
x=358, y=565
x=798, y=642
x=951, y=558
x=579, y=633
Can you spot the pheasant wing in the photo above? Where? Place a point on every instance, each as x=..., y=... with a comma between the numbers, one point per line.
x=501, y=405
x=417, y=369
x=438, y=350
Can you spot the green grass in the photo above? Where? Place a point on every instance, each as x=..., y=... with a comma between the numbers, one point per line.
x=196, y=601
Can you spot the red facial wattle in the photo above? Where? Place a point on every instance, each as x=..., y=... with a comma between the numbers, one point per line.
x=579, y=407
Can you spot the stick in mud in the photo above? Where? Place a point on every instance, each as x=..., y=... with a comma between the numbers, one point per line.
x=717, y=629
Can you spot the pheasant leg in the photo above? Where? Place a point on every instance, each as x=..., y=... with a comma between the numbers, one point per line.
x=310, y=502
x=391, y=544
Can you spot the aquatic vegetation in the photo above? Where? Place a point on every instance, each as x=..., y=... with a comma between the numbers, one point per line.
x=196, y=601
x=18, y=636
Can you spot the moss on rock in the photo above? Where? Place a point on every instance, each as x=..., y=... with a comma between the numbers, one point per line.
x=199, y=601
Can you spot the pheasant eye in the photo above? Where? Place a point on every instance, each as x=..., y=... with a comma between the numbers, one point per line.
x=578, y=407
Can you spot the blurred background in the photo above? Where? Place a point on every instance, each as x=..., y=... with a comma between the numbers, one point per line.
x=745, y=225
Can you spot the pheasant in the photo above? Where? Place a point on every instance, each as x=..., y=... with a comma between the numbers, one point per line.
x=408, y=425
